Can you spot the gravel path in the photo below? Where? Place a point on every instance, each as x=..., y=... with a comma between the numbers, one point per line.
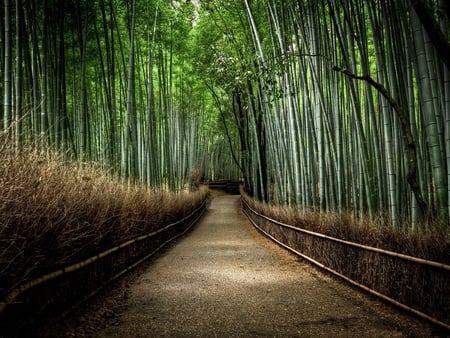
x=224, y=279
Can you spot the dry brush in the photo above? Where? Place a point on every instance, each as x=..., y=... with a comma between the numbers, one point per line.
x=54, y=213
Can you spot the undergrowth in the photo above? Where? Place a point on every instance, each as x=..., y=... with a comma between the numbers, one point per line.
x=431, y=242
x=54, y=213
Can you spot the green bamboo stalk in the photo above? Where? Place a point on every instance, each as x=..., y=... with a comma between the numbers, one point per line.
x=430, y=119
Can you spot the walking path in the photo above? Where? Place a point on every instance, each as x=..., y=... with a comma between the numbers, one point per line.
x=224, y=279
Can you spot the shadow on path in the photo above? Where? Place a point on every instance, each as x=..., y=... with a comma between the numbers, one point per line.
x=224, y=279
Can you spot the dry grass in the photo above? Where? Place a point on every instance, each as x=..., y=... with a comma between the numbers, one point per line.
x=418, y=286
x=431, y=243
x=53, y=214
x=197, y=178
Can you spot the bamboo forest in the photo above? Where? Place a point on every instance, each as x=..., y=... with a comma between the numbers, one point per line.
x=331, y=105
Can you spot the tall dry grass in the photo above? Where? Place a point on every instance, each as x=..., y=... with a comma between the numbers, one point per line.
x=54, y=213
x=432, y=242
x=420, y=287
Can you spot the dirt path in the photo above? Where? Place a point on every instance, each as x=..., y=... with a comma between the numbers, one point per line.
x=224, y=279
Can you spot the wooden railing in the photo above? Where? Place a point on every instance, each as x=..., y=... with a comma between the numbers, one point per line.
x=414, y=284
x=50, y=295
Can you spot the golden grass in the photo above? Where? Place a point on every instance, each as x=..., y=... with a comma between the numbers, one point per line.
x=431, y=242
x=418, y=286
x=54, y=213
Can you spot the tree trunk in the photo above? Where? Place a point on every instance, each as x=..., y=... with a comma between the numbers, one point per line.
x=7, y=75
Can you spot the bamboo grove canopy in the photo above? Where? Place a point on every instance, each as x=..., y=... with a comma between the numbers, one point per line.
x=334, y=105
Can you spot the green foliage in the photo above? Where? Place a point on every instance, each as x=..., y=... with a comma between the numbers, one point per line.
x=80, y=58
x=249, y=82
x=329, y=141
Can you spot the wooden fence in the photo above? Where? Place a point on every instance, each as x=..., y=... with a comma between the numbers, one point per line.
x=48, y=296
x=417, y=285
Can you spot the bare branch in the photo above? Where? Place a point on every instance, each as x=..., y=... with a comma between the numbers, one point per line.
x=411, y=177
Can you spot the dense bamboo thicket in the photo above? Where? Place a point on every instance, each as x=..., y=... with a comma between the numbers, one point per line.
x=111, y=82
x=335, y=105
x=341, y=105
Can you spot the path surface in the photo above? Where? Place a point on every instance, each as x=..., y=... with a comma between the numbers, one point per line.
x=224, y=279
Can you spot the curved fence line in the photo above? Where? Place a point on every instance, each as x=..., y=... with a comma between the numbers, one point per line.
x=247, y=209
x=16, y=292
x=138, y=262
x=357, y=245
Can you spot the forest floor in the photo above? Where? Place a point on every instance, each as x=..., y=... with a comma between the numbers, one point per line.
x=224, y=279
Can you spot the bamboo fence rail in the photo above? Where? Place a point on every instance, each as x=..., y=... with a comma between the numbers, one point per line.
x=15, y=293
x=247, y=210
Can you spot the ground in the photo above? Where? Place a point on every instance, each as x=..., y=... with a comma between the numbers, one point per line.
x=224, y=279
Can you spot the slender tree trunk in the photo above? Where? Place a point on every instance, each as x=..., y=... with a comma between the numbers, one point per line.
x=19, y=73
x=131, y=125
x=431, y=122
x=7, y=75
x=439, y=40
x=152, y=157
